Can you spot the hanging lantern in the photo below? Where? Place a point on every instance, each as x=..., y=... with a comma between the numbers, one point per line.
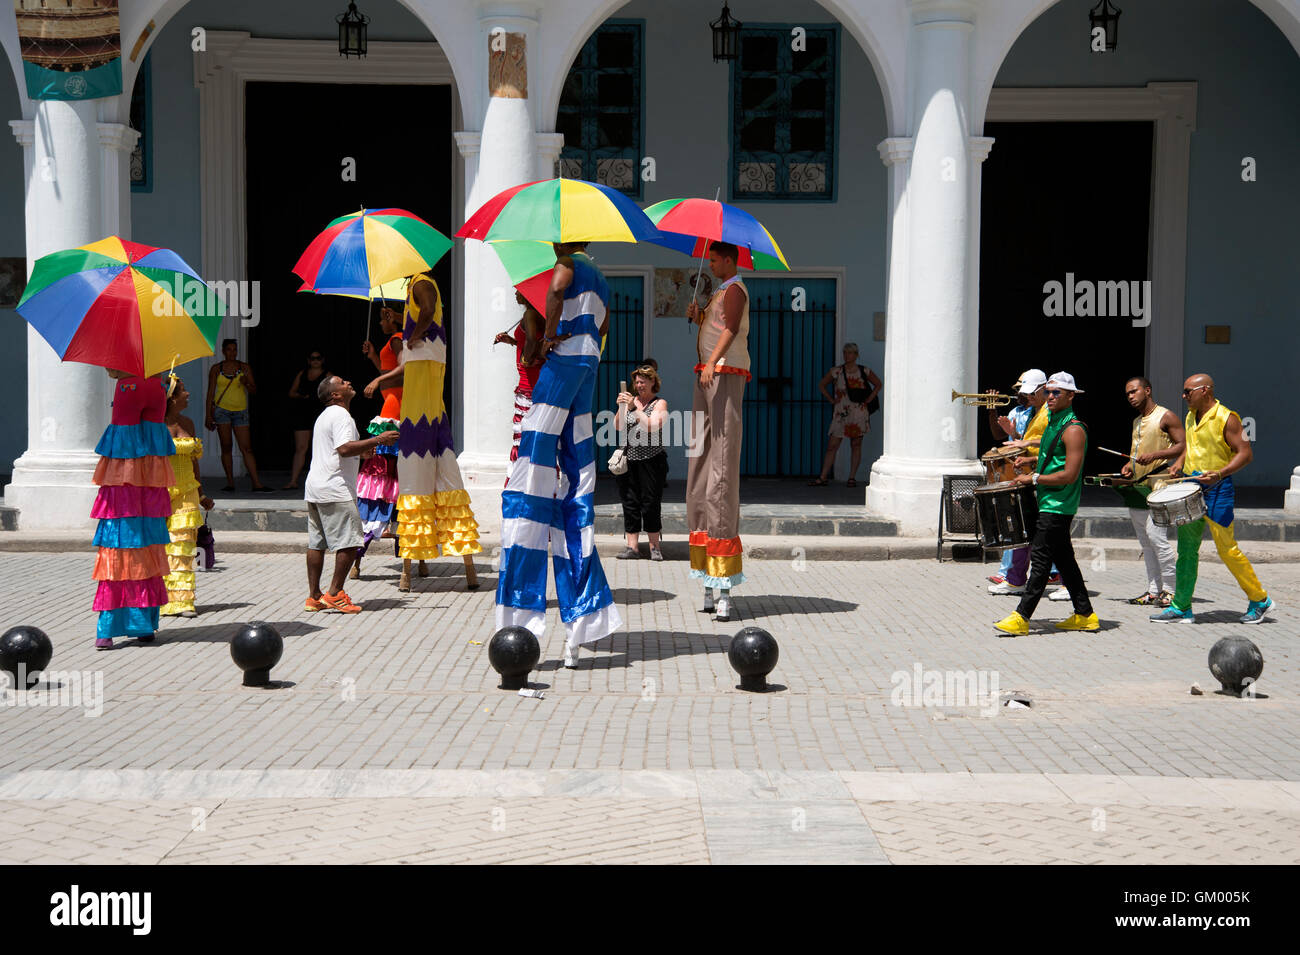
x=1106, y=18
x=726, y=36
x=352, y=32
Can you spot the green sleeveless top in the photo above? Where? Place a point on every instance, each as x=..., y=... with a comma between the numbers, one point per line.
x=1059, y=500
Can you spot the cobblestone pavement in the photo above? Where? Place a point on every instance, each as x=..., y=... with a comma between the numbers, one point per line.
x=388, y=740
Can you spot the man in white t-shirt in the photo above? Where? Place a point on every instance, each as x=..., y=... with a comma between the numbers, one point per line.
x=333, y=522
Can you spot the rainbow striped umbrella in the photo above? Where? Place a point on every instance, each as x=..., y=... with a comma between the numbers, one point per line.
x=364, y=249
x=695, y=223
x=560, y=210
x=529, y=265
x=120, y=304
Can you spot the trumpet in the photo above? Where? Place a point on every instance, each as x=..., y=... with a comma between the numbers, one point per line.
x=984, y=400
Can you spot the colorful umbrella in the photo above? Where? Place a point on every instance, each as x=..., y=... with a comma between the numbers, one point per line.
x=696, y=223
x=119, y=304
x=560, y=210
x=359, y=251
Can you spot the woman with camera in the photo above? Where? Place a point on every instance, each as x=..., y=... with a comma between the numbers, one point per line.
x=856, y=387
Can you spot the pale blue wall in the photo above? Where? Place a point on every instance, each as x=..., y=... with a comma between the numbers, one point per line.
x=687, y=124
x=1243, y=242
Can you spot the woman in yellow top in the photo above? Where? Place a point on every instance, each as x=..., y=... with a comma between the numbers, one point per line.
x=433, y=512
x=187, y=498
x=230, y=382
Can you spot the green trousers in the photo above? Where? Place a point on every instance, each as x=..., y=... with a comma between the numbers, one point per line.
x=1190, y=536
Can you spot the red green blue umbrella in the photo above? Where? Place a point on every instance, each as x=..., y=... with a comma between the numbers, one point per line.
x=119, y=304
x=530, y=266
x=694, y=224
x=359, y=251
x=560, y=210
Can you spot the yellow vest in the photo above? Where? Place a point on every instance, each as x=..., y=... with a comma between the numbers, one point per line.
x=1149, y=437
x=1206, y=449
x=1037, y=425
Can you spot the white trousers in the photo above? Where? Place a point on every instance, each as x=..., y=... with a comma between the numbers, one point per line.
x=1157, y=550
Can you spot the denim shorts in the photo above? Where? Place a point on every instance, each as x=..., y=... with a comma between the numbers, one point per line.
x=223, y=416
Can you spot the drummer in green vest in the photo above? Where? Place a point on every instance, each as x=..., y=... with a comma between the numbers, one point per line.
x=1216, y=449
x=1058, y=480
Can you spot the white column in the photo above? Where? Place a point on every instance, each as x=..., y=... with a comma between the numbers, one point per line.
x=927, y=436
x=504, y=153
x=896, y=153
x=67, y=404
x=116, y=140
x=1292, y=497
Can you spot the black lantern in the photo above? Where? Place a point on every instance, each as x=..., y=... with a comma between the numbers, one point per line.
x=1105, y=17
x=352, y=32
x=726, y=36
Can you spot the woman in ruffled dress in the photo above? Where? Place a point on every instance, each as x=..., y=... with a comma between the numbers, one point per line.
x=132, y=506
x=188, y=502
x=433, y=509
x=377, y=480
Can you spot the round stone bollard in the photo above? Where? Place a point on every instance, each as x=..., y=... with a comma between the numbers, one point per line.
x=1236, y=662
x=753, y=654
x=513, y=652
x=27, y=649
x=255, y=649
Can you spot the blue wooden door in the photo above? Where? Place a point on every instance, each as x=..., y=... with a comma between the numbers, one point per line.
x=622, y=349
x=786, y=418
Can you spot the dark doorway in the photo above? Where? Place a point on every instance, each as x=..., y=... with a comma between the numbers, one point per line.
x=298, y=136
x=1064, y=198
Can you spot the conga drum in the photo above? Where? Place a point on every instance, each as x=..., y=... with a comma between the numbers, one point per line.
x=1000, y=464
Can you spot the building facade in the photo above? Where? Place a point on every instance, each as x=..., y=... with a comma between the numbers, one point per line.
x=929, y=167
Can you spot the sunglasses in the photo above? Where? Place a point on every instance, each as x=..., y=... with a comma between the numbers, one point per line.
x=1189, y=391
x=1053, y=392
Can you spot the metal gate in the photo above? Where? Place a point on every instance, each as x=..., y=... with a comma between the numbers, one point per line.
x=622, y=350
x=786, y=417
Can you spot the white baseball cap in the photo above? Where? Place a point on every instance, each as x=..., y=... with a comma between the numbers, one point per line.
x=1031, y=381
x=1065, y=381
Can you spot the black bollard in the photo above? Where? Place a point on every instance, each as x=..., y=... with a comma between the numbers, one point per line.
x=753, y=654
x=1235, y=663
x=27, y=648
x=255, y=649
x=513, y=652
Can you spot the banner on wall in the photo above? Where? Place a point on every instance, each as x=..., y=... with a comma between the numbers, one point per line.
x=71, y=49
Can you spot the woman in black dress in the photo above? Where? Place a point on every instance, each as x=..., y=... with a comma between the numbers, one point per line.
x=304, y=407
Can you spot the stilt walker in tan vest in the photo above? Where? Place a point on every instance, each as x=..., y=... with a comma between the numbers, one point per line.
x=713, y=458
x=1158, y=437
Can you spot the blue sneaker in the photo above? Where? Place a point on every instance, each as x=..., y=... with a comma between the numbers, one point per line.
x=1257, y=610
x=1174, y=615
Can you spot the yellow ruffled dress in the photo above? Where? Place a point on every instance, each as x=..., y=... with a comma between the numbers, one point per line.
x=433, y=508
x=183, y=525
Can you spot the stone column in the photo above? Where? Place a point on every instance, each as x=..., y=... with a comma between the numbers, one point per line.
x=116, y=140
x=933, y=328
x=1292, y=497
x=67, y=404
x=504, y=153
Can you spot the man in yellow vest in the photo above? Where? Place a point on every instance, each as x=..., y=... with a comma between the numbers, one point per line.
x=1158, y=438
x=1216, y=449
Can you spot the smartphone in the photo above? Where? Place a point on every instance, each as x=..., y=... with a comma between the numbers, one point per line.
x=622, y=387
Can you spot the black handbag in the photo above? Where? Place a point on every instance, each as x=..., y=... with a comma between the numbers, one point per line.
x=859, y=395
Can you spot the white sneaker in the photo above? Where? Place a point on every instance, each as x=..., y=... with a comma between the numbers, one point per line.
x=1060, y=593
x=570, y=657
x=724, y=607
x=1006, y=587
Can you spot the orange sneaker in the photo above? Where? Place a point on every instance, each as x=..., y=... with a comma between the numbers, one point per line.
x=340, y=602
x=311, y=605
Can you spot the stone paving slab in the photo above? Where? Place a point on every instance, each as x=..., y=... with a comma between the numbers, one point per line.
x=653, y=716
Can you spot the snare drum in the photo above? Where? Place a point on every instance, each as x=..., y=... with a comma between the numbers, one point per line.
x=1131, y=491
x=1004, y=511
x=1177, y=504
x=999, y=464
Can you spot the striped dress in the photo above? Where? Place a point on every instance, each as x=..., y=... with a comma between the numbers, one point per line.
x=433, y=511
x=132, y=506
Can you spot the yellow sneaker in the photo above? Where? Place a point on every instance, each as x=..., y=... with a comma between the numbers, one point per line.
x=1077, y=622
x=1013, y=624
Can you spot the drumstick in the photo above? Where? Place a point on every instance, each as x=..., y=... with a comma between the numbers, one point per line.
x=1127, y=457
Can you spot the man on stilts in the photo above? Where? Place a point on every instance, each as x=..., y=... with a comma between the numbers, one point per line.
x=549, y=508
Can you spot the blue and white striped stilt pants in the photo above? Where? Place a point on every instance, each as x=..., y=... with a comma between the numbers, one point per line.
x=542, y=509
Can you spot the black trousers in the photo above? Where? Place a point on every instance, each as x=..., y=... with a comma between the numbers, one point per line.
x=1052, y=544
x=642, y=489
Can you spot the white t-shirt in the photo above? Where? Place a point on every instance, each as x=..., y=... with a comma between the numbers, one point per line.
x=332, y=479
